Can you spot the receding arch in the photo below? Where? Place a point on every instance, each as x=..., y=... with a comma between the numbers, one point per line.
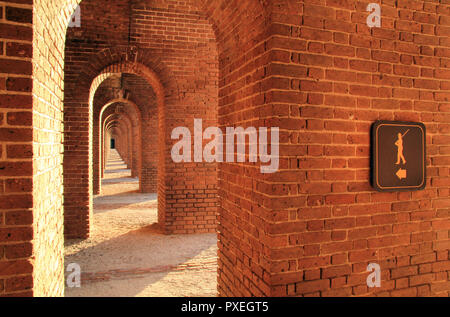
x=240, y=50
x=135, y=143
x=131, y=68
x=128, y=155
x=115, y=69
x=147, y=173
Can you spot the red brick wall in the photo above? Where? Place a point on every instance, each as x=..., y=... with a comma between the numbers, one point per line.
x=16, y=137
x=334, y=77
x=313, y=68
x=48, y=83
x=31, y=240
x=244, y=211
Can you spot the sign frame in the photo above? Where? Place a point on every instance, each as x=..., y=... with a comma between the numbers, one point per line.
x=374, y=156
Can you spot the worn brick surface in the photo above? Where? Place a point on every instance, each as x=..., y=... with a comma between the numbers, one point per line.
x=31, y=108
x=313, y=68
x=343, y=76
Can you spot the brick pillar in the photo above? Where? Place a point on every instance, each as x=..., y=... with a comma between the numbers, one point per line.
x=31, y=232
x=106, y=151
x=16, y=166
x=78, y=171
x=136, y=149
x=149, y=173
x=97, y=154
x=334, y=76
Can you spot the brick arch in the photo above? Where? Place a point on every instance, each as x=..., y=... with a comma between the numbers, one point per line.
x=136, y=68
x=131, y=111
x=126, y=155
x=120, y=123
x=110, y=121
x=148, y=165
x=115, y=121
x=119, y=127
x=241, y=55
x=257, y=13
x=143, y=62
x=100, y=99
x=136, y=151
x=79, y=220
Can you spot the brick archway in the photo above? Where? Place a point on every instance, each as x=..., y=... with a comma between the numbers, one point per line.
x=152, y=126
x=80, y=98
x=242, y=59
x=136, y=140
x=78, y=202
x=240, y=31
x=118, y=127
x=128, y=154
x=113, y=122
x=136, y=68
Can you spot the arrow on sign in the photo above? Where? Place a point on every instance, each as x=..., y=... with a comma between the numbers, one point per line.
x=401, y=173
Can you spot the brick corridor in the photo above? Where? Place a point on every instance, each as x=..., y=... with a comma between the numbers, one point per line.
x=128, y=256
x=320, y=72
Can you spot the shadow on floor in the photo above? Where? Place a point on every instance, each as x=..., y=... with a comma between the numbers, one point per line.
x=133, y=263
x=139, y=261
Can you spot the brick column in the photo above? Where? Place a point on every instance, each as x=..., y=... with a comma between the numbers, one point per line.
x=31, y=223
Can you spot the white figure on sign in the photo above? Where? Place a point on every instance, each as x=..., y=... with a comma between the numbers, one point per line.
x=374, y=18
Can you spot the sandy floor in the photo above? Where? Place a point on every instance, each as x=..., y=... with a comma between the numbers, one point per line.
x=128, y=256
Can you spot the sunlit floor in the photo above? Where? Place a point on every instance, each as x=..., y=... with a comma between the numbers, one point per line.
x=128, y=256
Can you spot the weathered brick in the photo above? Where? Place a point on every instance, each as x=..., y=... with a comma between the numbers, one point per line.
x=19, y=15
x=19, y=49
x=318, y=72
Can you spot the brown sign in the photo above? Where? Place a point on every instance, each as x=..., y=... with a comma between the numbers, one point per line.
x=398, y=156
